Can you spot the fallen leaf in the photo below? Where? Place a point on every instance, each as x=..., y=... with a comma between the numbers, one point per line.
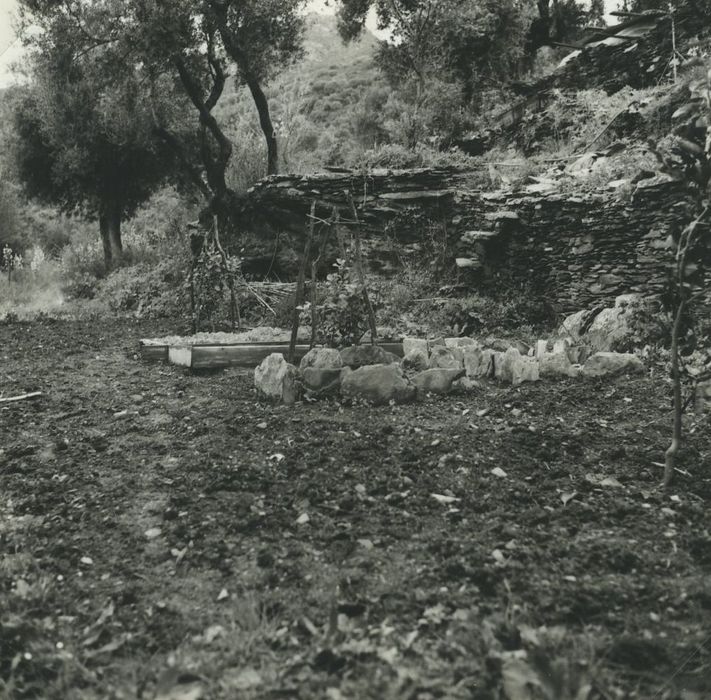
x=212, y=633
x=567, y=497
x=153, y=533
x=88, y=561
x=611, y=482
x=242, y=679
x=498, y=471
x=176, y=685
x=22, y=588
x=262, y=425
x=303, y=519
x=499, y=556
x=444, y=500
x=277, y=457
x=223, y=595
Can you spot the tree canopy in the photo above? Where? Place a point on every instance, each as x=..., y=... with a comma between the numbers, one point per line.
x=115, y=83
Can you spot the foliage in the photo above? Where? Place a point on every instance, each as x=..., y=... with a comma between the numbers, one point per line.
x=690, y=159
x=342, y=310
x=85, y=125
x=212, y=279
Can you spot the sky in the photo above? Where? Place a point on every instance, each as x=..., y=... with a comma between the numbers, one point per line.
x=11, y=51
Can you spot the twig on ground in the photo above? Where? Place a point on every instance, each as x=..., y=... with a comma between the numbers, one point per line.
x=21, y=397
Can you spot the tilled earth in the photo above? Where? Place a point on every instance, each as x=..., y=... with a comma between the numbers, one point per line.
x=165, y=535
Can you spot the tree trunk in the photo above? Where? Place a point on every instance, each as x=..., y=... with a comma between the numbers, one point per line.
x=110, y=229
x=265, y=121
x=671, y=454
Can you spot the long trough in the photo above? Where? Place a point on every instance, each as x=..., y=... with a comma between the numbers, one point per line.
x=216, y=355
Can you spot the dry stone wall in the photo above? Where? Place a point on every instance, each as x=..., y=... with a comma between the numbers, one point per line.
x=576, y=251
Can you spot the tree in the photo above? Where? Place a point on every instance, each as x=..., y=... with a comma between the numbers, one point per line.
x=84, y=130
x=260, y=36
x=692, y=156
x=183, y=46
x=444, y=46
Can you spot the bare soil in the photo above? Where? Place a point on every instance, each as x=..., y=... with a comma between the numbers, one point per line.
x=164, y=534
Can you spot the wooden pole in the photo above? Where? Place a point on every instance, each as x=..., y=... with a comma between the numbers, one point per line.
x=227, y=272
x=298, y=295
x=360, y=273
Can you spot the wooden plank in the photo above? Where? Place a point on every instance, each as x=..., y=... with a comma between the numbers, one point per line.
x=154, y=353
x=214, y=356
x=242, y=354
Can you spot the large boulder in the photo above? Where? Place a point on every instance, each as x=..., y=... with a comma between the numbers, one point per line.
x=605, y=364
x=604, y=329
x=478, y=363
x=276, y=380
x=437, y=381
x=357, y=356
x=321, y=358
x=557, y=364
x=378, y=383
x=419, y=344
x=442, y=357
x=319, y=383
x=575, y=325
x=416, y=360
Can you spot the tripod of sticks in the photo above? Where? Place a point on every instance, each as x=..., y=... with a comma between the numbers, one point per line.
x=326, y=228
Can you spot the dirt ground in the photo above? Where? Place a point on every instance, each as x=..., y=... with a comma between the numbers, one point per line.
x=165, y=535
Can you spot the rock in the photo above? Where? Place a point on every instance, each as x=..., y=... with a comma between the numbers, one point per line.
x=496, y=344
x=410, y=344
x=561, y=345
x=460, y=342
x=516, y=368
x=361, y=355
x=575, y=325
x=702, y=397
x=465, y=384
x=541, y=347
x=322, y=382
x=275, y=379
x=577, y=354
x=557, y=364
x=321, y=358
x=437, y=381
x=614, y=326
x=444, y=358
x=416, y=359
x=478, y=363
x=604, y=364
x=378, y=383
x=501, y=345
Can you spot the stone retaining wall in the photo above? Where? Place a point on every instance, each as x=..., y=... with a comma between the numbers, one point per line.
x=576, y=251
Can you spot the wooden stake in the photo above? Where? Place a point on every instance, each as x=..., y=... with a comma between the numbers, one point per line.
x=298, y=295
x=360, y=273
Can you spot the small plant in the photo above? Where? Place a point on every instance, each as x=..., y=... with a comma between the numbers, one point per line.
x=213, y=277
x=343, y=312
x=11, y=261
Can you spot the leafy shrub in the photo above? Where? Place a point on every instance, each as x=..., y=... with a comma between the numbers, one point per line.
x=477, y=314
x=342, y=311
